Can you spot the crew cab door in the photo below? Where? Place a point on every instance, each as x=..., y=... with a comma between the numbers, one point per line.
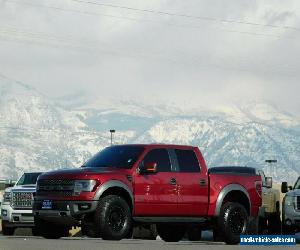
x=156, y=194
x=192, y=183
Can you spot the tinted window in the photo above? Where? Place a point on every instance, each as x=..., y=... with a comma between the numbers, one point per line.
x=115, y=156
x=187, y=161
x=161, y=157
x=28, y=179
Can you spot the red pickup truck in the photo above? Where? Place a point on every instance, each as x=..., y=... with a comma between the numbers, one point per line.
x=166, y=185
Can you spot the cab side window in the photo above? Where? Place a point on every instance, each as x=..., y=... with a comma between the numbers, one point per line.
x=187, y=161
x=161, y=157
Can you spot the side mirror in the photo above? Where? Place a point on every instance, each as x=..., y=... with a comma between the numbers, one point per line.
x=269, y=182
x=284, y=187
x=290, y=188
x=148, y=168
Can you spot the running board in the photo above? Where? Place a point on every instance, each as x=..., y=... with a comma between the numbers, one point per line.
x=170, y=219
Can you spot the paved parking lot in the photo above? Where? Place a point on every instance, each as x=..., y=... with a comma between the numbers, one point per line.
x=73, y=243
x=35, y=243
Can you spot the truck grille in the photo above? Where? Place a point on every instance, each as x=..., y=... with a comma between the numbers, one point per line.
x=55, y=187
x=22, y=200
x=298, y=203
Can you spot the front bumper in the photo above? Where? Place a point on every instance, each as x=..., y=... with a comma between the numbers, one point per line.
x=17, y=218
x=64, y=212
x=291, y=217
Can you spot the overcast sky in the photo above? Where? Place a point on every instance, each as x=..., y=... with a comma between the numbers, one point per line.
x=211, y=52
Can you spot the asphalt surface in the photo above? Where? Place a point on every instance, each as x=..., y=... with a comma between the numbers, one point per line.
x=31, y=243
x=74, y=243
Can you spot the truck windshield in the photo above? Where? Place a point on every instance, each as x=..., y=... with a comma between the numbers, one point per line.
x=115, y=156
x=297, y=185
x=28, y=179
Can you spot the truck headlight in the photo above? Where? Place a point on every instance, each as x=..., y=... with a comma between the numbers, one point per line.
x=84, y=186
x=7, y=197
x=289, y=200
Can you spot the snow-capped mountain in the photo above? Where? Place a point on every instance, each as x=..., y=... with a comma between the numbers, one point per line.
x=40, y=133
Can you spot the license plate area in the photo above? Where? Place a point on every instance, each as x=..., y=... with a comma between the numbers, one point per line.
x=47, y=204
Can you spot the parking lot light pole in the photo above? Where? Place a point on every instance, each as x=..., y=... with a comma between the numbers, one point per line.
x=112, y=131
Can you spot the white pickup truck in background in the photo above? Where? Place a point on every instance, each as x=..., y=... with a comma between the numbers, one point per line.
x=16, y=207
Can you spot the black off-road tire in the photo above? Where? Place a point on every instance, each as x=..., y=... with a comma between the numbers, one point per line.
x=194, y=233
x=171, y=232
x=233, y=222
x=113, y=219
x=7, y=231
x=50, y=230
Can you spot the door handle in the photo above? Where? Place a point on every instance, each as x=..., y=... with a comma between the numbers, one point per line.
x=173, y=181
x=202, y=182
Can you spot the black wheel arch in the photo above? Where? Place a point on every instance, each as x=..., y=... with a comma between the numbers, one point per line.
x=239, y=197
x=121, y=192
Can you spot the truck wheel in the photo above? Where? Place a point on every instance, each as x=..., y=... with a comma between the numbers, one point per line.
x=194, y=233
x=50, y=230
x=233, y=222
x=113, y=220
x=7, y=230
x=170, y=232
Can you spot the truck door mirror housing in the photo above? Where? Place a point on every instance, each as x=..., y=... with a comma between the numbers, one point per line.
x=148, y=168
x=284, y=187
x=269, y=182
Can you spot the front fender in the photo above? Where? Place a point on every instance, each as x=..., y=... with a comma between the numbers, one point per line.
x=113, y=184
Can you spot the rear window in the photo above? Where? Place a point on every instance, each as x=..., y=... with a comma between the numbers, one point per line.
x=187, y=161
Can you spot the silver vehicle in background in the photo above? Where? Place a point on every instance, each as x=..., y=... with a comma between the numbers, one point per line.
x=291, y=208
x=16, y=207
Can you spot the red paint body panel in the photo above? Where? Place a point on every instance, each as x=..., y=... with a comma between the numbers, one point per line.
x=219, y=181
x=155, y=196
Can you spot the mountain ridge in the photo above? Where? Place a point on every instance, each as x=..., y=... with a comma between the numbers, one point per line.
x=39, y=133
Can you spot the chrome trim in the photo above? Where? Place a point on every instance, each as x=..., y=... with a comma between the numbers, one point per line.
x=21, y=199
x=112, y=184
x=226, y=190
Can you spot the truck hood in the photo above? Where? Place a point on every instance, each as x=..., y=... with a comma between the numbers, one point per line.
x=295, y=192
x=80, y=172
